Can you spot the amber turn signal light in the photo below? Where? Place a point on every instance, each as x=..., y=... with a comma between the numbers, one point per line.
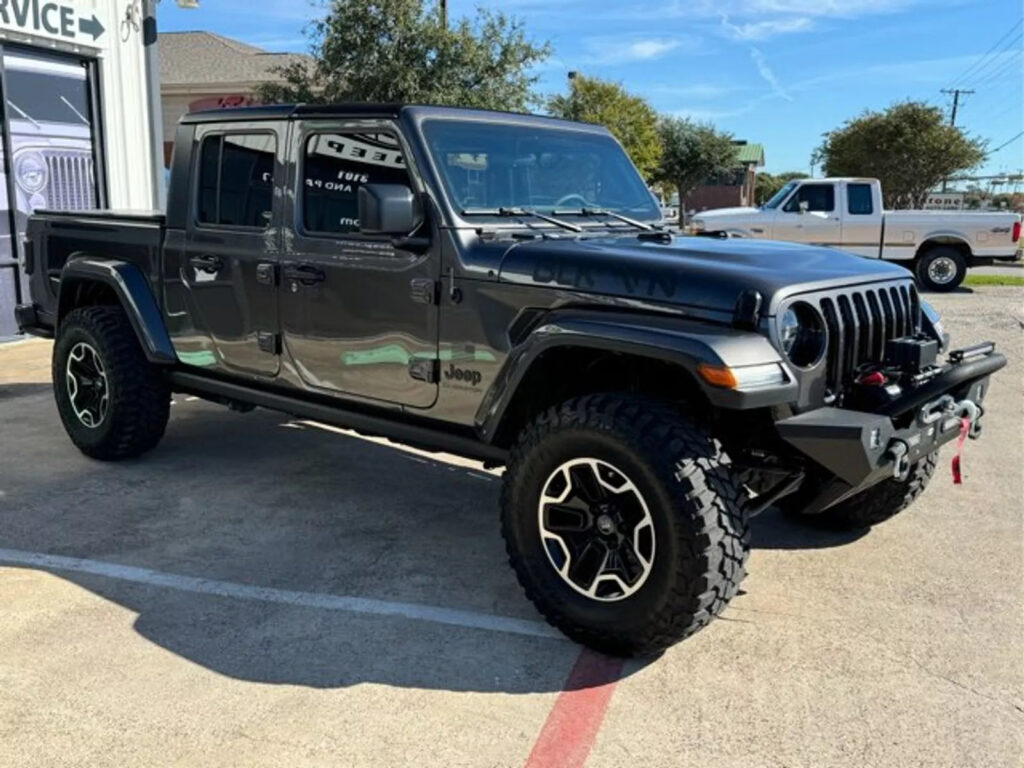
x=718, y=375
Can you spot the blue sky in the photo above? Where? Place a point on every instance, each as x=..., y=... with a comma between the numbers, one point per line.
x=778, y=72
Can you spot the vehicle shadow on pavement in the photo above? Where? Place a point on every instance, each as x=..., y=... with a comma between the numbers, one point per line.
x=12, y=391
x=775, y=530
x=258, y=501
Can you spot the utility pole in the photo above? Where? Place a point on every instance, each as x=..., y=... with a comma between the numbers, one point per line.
x=956, y=101
x=444, y=13
x=952, y=116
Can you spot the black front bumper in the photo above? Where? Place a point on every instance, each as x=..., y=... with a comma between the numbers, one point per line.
x=859, y=449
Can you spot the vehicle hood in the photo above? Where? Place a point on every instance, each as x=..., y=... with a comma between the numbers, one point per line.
x=721, y=213
x=688, y=271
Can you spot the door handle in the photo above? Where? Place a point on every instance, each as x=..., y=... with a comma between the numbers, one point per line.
x=307, y=274
x=206, y=263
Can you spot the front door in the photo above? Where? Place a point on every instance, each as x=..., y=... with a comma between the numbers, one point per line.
x=818, y=222
x=357, y=311
x=230, y=250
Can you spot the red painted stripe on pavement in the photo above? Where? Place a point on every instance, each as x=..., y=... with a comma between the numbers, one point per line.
x=573, y=723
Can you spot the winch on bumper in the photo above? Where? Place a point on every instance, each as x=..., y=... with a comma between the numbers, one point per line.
x=860, y=448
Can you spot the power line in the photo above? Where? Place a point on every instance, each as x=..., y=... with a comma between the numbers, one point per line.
x=985, y=55
x=991, y=116
x=1006, y=143
x=998, y=73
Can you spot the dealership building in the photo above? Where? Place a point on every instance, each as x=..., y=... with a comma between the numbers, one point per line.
x=80, y=117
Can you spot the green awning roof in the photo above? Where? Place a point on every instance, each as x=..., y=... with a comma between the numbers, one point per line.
x=750, y=153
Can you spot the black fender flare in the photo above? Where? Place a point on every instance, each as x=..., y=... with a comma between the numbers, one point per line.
x=680, y=341
x=133, y=292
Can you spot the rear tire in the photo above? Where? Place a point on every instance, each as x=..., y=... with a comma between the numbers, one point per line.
x=640, y=485
x=113, y=402
x=941, y=269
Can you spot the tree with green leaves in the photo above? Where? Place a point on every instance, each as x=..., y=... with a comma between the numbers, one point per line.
x=909, y=147
x=629, y=117
x=401, y=51
x=767, y=184
x=692, y=153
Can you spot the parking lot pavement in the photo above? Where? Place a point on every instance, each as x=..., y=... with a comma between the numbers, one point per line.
x=263, y=592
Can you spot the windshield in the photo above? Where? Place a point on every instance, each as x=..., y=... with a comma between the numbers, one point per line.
x=781, y=195
x=492, y=166
x=47, y=98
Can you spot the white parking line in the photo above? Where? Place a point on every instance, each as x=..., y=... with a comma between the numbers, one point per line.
x=315, y=600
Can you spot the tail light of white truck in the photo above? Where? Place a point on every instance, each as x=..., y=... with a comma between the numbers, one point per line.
x=1016, y=231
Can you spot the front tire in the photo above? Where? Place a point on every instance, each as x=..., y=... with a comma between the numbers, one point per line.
x=623, y=522
x=941, y=269
x=113, y=402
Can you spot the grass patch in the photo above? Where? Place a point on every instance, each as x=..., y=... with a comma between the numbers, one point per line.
x=994, y=280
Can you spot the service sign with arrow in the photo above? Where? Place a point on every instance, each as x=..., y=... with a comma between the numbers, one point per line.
x=57, y=20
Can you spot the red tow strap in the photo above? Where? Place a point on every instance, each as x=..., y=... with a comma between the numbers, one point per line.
x=965, y=428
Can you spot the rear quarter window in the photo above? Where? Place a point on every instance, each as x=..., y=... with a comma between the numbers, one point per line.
x=858, y=200
x=236, y=180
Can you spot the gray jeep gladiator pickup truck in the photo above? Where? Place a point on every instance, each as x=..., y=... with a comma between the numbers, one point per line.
x=497, y=286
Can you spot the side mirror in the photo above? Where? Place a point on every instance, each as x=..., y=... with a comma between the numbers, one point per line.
x=387, y=209
x=804, y=206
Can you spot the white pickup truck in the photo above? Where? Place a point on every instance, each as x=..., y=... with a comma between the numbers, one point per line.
x=847, y=213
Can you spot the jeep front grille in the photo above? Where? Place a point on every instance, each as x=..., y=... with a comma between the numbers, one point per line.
x=861, y=321
x=72, y=186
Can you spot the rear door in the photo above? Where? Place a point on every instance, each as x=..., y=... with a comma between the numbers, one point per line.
x=357, y=311
x=227, y=260
x=820, y=223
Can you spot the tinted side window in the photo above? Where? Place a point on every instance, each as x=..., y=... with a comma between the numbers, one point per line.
x=819, y=197
x=209, y=178
x=858, y=200
x=336, y=165
x=236, y=179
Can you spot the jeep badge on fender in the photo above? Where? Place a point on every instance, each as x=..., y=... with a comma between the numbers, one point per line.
x=466, y=375
x=646, y=392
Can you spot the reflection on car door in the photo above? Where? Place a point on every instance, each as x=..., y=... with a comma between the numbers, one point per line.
x=51, y=132
x=357, y=312
x=227, y=264
x=819, y=224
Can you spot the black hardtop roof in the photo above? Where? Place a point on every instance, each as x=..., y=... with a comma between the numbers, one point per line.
x=357, y=109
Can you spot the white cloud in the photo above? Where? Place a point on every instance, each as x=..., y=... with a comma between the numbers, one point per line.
x=707, y=115
x=767, y=75
x=611, y=50
x=693, y=91
x=762, y=30
x=759, y=19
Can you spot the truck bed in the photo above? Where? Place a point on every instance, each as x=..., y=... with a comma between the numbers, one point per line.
x=55, y=237
x=988, y=233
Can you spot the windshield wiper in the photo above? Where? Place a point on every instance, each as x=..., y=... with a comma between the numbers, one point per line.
x=511, y=213
x=72, y=107
x=24, y=114
x=612, y=214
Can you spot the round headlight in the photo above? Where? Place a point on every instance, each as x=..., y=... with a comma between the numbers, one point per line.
x=789, y=330
x=802, y=334
x=31, y=173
